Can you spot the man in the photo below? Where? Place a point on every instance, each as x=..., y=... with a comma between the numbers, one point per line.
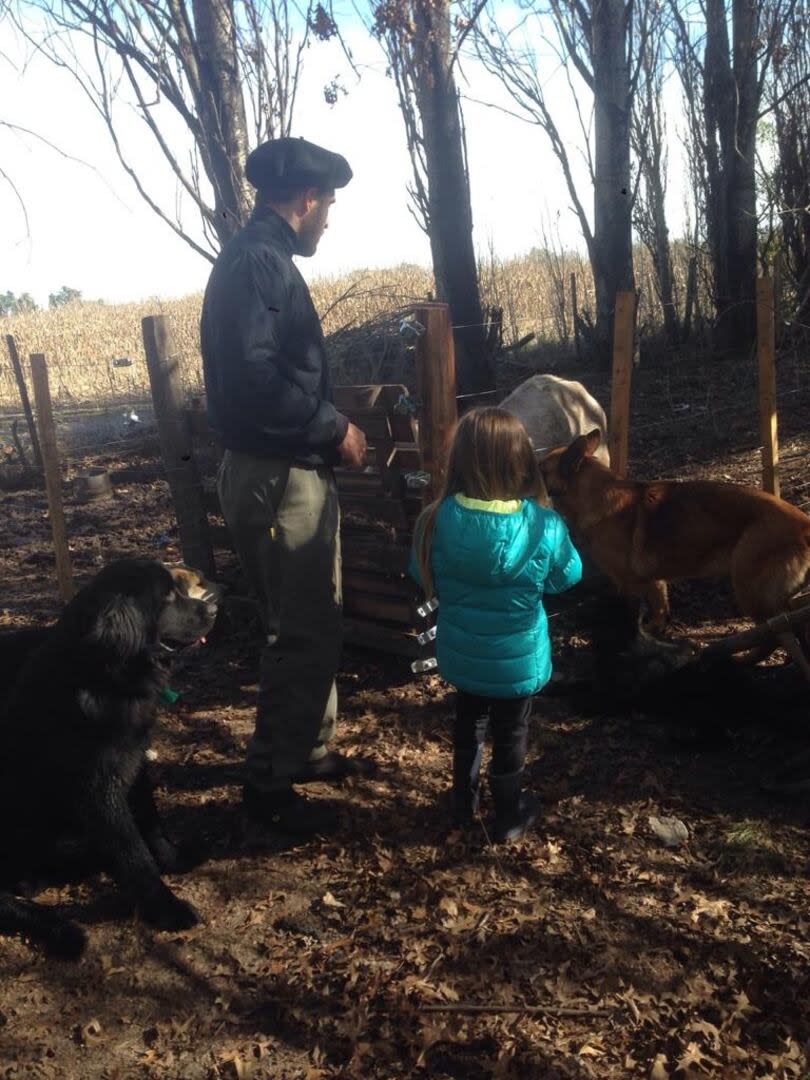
x=270, y=402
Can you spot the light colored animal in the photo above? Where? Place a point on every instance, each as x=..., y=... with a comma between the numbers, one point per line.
x=554, y=411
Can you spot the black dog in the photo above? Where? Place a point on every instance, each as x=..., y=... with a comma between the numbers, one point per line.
x=16, y=646
x=73, y=735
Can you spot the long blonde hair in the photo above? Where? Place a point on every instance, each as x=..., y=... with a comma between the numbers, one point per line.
x=490, y=457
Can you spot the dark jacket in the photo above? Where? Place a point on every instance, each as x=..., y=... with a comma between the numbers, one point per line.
x=266, y=376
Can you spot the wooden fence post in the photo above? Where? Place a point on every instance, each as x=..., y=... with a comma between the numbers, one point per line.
x=176, y=445
x=766, y=352
x=53, y=476
x=623, y=330
x=436, y=390
x=26, y=402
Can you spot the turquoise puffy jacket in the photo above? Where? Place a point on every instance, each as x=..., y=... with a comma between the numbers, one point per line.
x=491, y=564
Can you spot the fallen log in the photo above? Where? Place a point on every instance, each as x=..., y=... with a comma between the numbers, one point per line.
x=777, y=625
x=782, y=627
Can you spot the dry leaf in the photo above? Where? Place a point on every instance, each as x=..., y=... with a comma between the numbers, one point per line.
x=694, y=1058
x=659, y=1070
x=716, y=909
x=671, y=831
x=330, y=901
x=588, y=1050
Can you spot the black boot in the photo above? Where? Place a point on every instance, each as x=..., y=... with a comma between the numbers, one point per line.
x=334, y=767
x=466, y=785
x=515, y=809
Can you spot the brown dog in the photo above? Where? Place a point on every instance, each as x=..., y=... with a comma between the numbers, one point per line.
x=644, y=535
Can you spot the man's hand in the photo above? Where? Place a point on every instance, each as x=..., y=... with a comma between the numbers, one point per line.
x=353, y=448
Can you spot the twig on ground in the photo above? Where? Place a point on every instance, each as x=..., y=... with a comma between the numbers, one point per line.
x=528, y=1010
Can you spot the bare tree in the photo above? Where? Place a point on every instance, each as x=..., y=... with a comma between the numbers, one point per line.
x=788, y=104
x=723, y=79
x=649, y=142
x=598, y=43
x=422, y=42
x=228, y=70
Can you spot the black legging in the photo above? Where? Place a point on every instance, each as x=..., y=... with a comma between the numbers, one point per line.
x=507, y=718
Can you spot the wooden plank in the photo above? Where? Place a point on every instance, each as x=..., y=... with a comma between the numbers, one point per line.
x=390, y=609
x=766, y=353
x=436, y=390
x=350, y=480
x=370, y=635
x=357, y=397
x=389, y=395
x=374, y=424
x=375, y=508
x=175, y=443
x=53, y=475
x=361, y=553
x=623, y=329
x=381, y=584
x=404, y=426
x=11, y=344
x=405, y=456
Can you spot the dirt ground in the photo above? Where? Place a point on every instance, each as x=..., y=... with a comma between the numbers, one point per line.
x=354, y=956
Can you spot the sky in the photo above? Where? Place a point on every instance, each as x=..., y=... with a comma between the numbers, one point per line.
x=90, y=229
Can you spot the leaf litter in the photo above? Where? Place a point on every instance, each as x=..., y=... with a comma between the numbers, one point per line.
x=321, y=961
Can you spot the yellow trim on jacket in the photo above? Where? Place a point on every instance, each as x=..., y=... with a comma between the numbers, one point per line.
x=494, y=506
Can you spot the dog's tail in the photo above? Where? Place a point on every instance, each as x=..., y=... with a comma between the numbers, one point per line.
x=58, y=935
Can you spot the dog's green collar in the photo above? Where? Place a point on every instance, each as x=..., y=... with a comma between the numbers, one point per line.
x=168, y=695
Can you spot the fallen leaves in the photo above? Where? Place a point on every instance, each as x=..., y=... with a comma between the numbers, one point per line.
x=671, y=831
x=329, y=901
x=320, y=961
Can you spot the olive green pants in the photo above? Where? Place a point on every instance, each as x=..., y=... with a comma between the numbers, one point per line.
x=285, y=523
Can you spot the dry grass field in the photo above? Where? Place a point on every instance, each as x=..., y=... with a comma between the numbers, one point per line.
x=81, y=340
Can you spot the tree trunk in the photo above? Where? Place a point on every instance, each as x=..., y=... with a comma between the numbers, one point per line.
x=662, y=260
x=223, y=138
x=730, y=105
x=449, y=211
x=742, y=206
x=612, y=235
x=790, y=101
x=649, y=142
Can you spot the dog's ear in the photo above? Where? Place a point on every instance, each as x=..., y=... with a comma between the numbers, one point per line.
x=184, y=579
x=120, y=626
x=582, y=446
x=592, y=441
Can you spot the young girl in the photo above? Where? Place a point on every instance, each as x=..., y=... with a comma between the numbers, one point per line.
x=488, y=550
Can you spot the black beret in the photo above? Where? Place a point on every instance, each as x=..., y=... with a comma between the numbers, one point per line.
x=295, y=163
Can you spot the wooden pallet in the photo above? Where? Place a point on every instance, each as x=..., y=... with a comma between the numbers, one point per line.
x=378, y=510
x=378, y=513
